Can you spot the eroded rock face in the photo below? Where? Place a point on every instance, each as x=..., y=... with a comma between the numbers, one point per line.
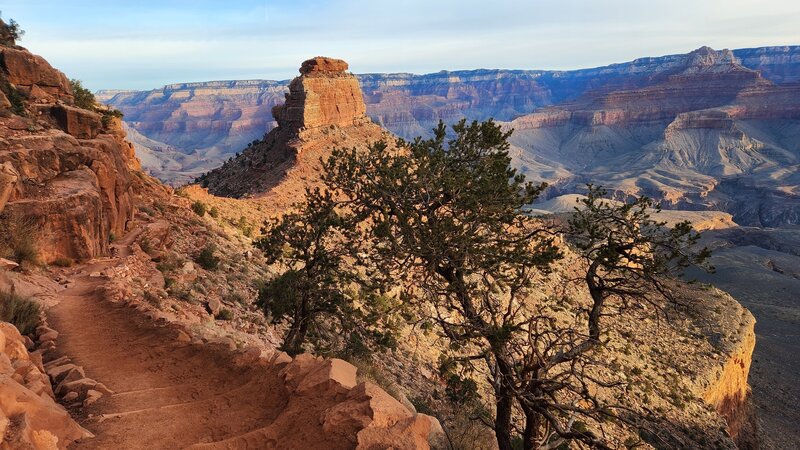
x=324, y=110
x=34, y=76
x=29, y=416
x=324, y=94
x=64, y=174
x=730, y=395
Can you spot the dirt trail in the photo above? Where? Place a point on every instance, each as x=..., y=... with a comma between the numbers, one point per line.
x=167, y=395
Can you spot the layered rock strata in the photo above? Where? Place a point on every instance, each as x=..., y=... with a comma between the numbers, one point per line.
x=65, y=173
x=324, y=109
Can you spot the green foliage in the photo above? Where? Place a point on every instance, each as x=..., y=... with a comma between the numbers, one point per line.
x=84, y=98
x=199, y=208
x=312, y=243
x=16, y=98
x=10, y=33
x=20, y=311
x=108, y=115
x=213, y=212
x=224, y=314
x=207, y=258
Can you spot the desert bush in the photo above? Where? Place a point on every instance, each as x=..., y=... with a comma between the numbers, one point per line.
x=207, y=258
x=20, y=311
x=84, y=98
x=199, y=208
x=109, y=115
x=18, y=239
x=63, y=262
x=213, y=212
x=152, y=298
x=224, y=314
x=10, y=32
x=168, y=263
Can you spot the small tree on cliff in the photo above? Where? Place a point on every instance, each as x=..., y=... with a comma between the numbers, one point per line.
x=312, y=294
x=84, y=98
x=10, y=33
x=445, y=219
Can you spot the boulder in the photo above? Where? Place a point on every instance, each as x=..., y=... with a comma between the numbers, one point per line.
x=6, y=264
x=29, y=416
x=26, y=70
x=77, y=122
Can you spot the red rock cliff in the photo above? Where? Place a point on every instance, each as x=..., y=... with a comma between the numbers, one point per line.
x=324, y=94
x=65, y=172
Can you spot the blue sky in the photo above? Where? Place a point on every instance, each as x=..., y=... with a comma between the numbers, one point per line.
x=146, y=44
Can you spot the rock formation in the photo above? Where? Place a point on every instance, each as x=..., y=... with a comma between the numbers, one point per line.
x=183, y=130
x=324, y=109
x=324, y=94
x=64, y=171
x=29, y=415
x=707, y=133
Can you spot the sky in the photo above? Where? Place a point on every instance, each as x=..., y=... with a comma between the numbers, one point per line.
x=145, y=44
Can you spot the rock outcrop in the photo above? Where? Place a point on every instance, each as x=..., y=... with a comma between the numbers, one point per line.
x=324, y=109
x=29, y=416
x=731, y=394
x=352, y=415
x=65, y=172
x=325, y=94
x=34, y=77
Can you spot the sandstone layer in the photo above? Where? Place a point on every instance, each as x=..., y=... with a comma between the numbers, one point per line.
x=65, y=174
x=324, y=109
x=29, y=416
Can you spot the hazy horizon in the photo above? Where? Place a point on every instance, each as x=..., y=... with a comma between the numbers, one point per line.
x=152, y=44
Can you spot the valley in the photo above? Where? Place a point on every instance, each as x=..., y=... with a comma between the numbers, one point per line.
x=272, y=265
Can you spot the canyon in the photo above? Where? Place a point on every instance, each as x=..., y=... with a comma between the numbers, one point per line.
x=147, y=344
x=100, y=363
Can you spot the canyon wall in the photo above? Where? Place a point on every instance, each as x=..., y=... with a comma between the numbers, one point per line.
x=65, y=172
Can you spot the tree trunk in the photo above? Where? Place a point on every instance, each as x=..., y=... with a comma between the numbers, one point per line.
x=502, y=421
x=532, y=423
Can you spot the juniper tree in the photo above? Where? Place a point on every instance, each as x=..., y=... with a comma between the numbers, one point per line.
x=446, y=220
x=313, y=294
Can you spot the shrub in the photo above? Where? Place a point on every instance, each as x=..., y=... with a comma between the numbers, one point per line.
x=20, y=311
x=207, y=258
x=169, y=263
x=18, y=239
x=83, y=97
x=152, y=298
x=63, y=262
x=199, y=208
x=16, y=99
x=10, y=32
x=213, y=212
x=109, y=115
x=224, y=314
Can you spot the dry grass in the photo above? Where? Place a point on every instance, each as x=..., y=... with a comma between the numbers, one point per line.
x=20, y=311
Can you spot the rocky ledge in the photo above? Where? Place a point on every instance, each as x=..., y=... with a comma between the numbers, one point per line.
x=65, y=172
